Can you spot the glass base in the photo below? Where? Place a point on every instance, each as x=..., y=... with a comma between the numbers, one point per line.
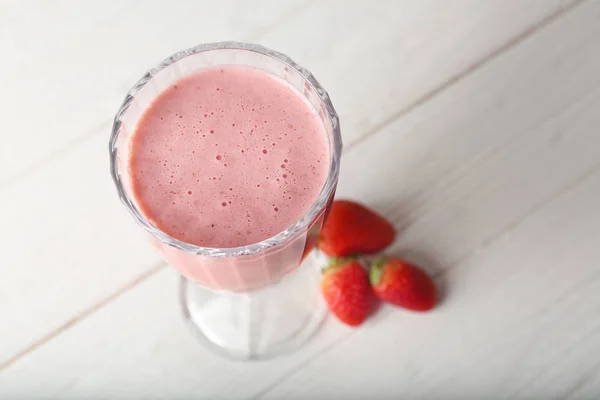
x=261, y=323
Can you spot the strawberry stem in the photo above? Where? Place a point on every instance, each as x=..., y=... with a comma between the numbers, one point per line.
x=336, y=262
x=376, y=270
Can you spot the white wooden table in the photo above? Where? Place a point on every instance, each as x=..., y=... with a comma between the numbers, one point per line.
x=473, y=125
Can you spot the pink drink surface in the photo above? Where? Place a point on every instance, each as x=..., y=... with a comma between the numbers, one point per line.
x=227, y=157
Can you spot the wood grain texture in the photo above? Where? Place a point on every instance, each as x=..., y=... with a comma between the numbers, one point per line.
x=380, y=58
x=493, y=181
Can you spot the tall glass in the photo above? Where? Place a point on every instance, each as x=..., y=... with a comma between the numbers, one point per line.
x=251, y=301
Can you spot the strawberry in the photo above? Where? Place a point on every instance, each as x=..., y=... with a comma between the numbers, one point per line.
x=403, y=284
x=345, y=288
x=352, y=228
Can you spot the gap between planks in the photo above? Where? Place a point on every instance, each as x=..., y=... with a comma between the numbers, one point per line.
x=84, y=314
x=477, y=65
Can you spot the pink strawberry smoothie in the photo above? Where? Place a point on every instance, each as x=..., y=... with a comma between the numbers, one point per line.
x=227, y=157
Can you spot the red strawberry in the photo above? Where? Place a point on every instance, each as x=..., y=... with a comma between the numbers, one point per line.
x=345, y=287
x=403, y=284
x=352, y=228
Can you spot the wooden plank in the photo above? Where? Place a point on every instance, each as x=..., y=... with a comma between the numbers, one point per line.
x=379, y=58
x=56, y=264
x=497, y=177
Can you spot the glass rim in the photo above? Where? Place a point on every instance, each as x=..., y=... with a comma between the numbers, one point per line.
x=303, y=223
